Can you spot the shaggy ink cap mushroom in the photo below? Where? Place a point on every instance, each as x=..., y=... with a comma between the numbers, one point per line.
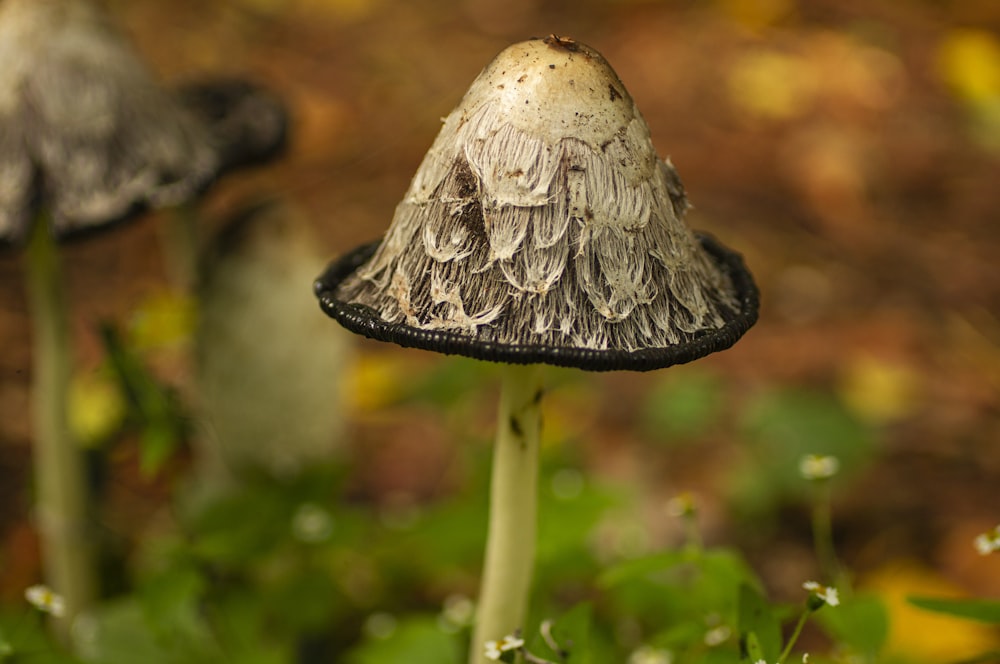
x=88, y=136
x=542, y=227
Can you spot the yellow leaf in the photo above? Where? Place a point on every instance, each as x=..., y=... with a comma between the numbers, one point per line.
x=96, y=407
x=922, y=636
x=771, y=85
x=879, y=390
x=373, y=381
x=164, y=319
x=969, y=62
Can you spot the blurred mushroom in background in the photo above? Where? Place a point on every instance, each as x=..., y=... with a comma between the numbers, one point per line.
x=87, y=139
x=268, y=369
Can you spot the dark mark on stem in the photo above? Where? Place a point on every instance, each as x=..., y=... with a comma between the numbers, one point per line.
x=515, y=427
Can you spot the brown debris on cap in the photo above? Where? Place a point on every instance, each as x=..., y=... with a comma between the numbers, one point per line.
x=542, y=227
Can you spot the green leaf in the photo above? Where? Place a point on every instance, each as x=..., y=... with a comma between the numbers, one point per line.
x=154, y=408
x=170, y=604
x=680, y=635
x=641, y=568
x=119, y=634
x=563, y=525
x=571, y=633
x=683, y=405
x=452, y=380
x=760, y=631
x=780, y=428
x=678, y=587
x=157, y=443
x=981, y=610
x=242, y=526
x=860, y=621
x=23, y=638
x=416, y=640
x=750, y=644
x=304, y=601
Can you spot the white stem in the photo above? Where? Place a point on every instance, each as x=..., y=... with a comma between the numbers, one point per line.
x=510, y=543
x=61, y=504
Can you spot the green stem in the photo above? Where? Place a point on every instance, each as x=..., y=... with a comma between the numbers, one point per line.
x=822, y=526
x=795, y=636
x=61, y=493
x=510, y=542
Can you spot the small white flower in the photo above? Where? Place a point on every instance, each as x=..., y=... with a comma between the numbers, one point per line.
x=718, y=635
x=651, y=655
x=828, y=594
x=496, y=649
x=42, y=598
x=312, y=523
x=458, y=611
x=381, y=625
x=567, y=484
x=805, y=658
x=988, y=543
x=682, y=505
x=818, y=467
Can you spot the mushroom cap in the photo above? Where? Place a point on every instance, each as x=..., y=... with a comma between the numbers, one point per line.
x=86, y=133
x=542, y=227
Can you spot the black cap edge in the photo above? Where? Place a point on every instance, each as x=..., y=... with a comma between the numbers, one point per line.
x=366, y=322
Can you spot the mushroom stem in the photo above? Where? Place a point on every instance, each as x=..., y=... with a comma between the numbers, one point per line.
x=510, y=542
x=61, y=503
x=181, y=239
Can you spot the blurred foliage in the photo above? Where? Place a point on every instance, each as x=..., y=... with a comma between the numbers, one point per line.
x=969, y=62
x=163, y=319
x=312, y=568
x=683, y=405
x=295, y=569
x=155, y=409
x=879, y=391
x=97, y=407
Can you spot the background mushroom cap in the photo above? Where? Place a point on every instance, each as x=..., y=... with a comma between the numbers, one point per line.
x=89, y=136
x=542, y=227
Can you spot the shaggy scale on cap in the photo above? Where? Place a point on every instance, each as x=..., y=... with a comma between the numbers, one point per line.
x=542, y=227
x=88, y=135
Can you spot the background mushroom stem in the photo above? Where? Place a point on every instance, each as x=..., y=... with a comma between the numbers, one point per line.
x=182, y=241
x=61, y=503
x=510, y=544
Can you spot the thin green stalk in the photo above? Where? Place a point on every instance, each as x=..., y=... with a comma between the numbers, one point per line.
x=61, y=504
x=795, y=636
x=822, y=527
x=510, y=543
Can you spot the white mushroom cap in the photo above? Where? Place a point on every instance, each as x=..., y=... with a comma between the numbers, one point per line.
x=554, y=89
x=542, y=220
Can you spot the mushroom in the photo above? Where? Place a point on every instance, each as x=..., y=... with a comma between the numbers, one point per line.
x=264, y=408
x=541, y=228
x=87, y=138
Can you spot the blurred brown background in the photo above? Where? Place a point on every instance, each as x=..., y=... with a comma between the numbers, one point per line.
x=850, y=149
